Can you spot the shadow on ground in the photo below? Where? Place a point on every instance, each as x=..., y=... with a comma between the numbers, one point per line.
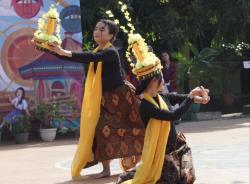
x=92, y=180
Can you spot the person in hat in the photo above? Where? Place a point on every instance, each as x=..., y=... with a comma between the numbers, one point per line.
x=161, y=139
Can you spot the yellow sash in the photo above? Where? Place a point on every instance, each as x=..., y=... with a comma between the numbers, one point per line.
x=90, y=114
x=156, y=136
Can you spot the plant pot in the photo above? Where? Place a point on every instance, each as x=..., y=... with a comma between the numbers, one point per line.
x=22, y=138
x=48, y=134
x=228, y=99
x=194, y=108
x=245, y=110
x=186, y=116
x=191, y=112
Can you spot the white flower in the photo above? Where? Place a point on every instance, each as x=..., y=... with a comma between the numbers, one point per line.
x=124, y=29
x=124, y=8
x=53, y=12
x=108, y=12
x=111, y=15
x=126, y=14
x=131, y=26
x=44, y=16
x=132, y=38
x=117, y=21
x=138, y=65
x=128, y=54
x=128, y=19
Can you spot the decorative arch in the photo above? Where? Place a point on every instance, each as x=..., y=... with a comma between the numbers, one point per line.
x=58, y=89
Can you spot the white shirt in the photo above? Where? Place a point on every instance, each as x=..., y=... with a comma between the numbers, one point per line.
x=22, y=106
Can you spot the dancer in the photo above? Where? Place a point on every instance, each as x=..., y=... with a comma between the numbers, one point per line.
x=110, y=121
x=161, y=138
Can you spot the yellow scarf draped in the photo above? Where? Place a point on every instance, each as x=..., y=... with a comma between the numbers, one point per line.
x=90, y=114
x=156, y=136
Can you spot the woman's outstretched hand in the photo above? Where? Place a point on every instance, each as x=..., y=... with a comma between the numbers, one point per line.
x=200, y=95
x=205, y=96
x=57, y=49
x=198, y=91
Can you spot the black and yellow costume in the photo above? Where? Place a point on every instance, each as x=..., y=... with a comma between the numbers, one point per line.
x=171, y=172
x=161, y=139
x=110, y=123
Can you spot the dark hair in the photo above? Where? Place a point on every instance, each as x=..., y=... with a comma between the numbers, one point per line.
x=170, y=58
x=164, y=51
x=150, y=48
x=112, y=26
x=23, y=95
x=144, y=83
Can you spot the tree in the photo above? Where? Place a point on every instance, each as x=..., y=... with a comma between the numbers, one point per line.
x=172, y=24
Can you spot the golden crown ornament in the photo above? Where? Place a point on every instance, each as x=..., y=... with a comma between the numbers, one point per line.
x=147, y=63
x=48, y=30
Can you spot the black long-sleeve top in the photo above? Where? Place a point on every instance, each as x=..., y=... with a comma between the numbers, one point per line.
x=112, y=76
x=148, y=110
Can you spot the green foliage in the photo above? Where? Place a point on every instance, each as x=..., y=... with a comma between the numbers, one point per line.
x=210, y=67
x=175, y=24
x=199, y=70
x=22, y=124
x=228, y=62
x=3, y=123
x=46, y=112
x=170, y=24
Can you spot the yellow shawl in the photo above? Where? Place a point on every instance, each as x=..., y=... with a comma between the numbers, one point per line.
x=90, y=114
x=156, y=136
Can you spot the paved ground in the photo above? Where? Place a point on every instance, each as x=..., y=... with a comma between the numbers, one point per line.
x=220, y=151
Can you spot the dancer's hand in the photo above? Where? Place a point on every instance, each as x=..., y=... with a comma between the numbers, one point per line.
x=205, y=96
x=57, y=49
x=198, y=91
x=54, y=47
x=201, y=100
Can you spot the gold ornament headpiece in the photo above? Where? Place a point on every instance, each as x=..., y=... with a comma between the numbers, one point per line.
x=48, y=30
x=147, y=63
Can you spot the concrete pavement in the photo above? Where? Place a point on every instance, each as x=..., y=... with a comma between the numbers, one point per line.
x=220, y=152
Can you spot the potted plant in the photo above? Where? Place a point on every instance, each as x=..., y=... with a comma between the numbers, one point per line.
x=45, y=113
x=197, y=71
x=21, y=128
x=228, y=64
x=4, y=123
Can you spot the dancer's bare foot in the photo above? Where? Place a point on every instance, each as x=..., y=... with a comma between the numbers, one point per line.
x=103, y=174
